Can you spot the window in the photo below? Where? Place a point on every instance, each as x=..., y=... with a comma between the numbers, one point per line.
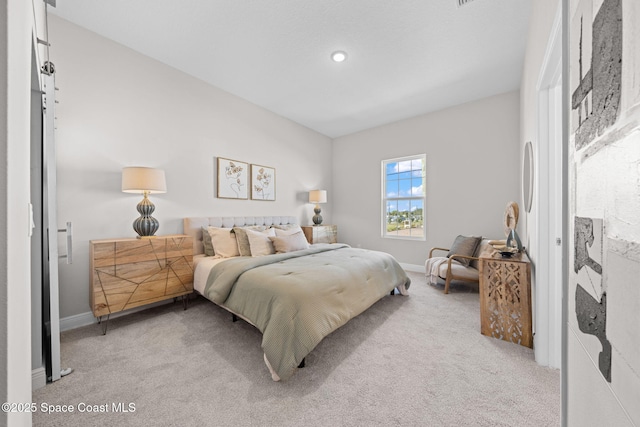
x=404, y=197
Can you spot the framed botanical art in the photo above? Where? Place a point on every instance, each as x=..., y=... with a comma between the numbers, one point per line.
x=263, y=183
x=232, y=179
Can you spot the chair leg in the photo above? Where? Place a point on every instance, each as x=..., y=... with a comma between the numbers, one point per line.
x=446, y=284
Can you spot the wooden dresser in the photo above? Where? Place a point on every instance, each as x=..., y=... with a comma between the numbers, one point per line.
x=127, y=273
x=505, y=298
x=321, y=233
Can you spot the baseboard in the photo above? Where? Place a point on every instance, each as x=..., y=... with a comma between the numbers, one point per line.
x=84, y=319
x=76, y=321
x=413, y=267
x=38, y=378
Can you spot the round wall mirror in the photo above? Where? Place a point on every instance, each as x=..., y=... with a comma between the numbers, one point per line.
x=527, y=176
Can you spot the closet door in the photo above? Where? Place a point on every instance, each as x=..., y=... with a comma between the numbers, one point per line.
x=51, y=309
x=37, y=253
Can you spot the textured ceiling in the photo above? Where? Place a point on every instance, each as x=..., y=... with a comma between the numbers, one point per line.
x=405, y=58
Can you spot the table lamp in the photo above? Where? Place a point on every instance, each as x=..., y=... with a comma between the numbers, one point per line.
x=317, y=197
x=142, y=180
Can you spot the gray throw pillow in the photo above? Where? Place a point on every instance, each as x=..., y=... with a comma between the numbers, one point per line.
x=206, y=241
x=243, y=241
x=464, y=245
x=284, y=226
x=482, y=246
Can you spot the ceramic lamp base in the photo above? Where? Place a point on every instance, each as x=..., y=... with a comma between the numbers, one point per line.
x=146, y=226
x=317, y=218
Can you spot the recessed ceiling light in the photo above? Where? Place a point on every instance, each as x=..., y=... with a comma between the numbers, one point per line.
x=339, y=56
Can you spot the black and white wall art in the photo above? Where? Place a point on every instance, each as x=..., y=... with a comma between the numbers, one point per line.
x=603, y=350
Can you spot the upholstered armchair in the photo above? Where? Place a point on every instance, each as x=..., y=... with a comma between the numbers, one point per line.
x=459, y=263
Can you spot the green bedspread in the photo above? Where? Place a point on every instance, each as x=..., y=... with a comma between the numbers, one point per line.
x=298, y=298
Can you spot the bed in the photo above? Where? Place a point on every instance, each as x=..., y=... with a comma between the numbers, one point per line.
x=295, y=297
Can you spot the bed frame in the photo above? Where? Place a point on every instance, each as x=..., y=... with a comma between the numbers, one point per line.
x=193, y=227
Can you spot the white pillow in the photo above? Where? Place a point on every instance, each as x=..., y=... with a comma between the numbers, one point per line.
x=224, y=242
x=259, y=242
x=289, y=231
x=293, y=242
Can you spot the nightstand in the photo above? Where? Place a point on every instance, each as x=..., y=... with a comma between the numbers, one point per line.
x=128, y=273
x=321, y=233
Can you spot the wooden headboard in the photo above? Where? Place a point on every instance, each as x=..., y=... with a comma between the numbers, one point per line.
x=193, y=226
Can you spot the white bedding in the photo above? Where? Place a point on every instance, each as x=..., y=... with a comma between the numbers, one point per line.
x=202, y=265
x=193, y=227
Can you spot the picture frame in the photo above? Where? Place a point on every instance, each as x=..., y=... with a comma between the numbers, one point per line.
x=263, y=183
x=232, y=179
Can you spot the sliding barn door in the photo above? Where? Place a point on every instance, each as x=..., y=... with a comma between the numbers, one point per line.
x=51, y=310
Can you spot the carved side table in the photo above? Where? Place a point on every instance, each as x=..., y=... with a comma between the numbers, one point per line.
x=505, y=298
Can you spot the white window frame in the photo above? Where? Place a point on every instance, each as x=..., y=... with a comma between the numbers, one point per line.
x=386, y=199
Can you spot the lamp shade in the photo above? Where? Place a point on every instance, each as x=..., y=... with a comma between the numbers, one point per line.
x=318, y=196
x=140, y=179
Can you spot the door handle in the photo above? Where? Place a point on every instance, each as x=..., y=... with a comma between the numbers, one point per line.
x=69, y=231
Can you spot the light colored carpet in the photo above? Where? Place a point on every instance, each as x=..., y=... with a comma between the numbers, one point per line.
x=407, y=361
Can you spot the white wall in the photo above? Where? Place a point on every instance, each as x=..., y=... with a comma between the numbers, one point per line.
x=543, y=13
x=15, y=314
x=472, y=173
x=546, y=298
x=119, y=108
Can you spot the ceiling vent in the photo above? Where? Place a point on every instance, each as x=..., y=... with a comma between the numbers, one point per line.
x=463, y=2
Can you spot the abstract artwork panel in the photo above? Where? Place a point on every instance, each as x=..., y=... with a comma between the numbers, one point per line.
x=604, y=195
x=590, y=298
x=596, y=69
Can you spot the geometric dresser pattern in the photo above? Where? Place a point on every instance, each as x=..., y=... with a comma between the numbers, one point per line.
x=505, y=298
x=127, y=273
